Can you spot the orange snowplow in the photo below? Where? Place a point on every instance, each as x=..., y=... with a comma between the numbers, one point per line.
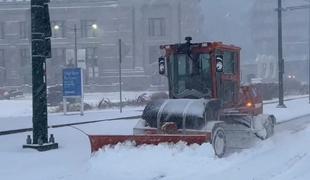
x=206, y=102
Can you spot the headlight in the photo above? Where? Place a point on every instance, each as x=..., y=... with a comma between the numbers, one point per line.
x=162, y=66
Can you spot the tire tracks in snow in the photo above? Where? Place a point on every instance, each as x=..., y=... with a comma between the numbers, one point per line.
x=278, y=171
x=294, y=125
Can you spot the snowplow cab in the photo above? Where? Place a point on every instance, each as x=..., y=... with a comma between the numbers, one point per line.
x=204, y=77
x=202, y=70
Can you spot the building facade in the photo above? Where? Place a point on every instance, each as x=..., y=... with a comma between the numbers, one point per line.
x=96, y=25
x=295, y=38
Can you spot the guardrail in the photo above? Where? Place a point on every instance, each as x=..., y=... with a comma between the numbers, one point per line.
x=16, y=131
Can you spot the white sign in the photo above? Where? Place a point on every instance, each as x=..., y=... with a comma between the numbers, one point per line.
x=70, y=57
x=81, y=58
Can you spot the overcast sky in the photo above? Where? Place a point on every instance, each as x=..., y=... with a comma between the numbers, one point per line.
x=229, y=21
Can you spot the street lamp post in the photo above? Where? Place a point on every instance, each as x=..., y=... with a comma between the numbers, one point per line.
x=309, y=50
x=280, y=56
x=75, y=46
x=309, y=55
x=120, y=74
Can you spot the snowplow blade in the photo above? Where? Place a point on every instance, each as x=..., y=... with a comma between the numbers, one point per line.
x=98, y=141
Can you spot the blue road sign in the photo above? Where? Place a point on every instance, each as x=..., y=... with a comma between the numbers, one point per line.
x=72, y=82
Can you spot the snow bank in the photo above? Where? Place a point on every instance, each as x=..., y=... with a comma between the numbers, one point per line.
x=23, y=106
x=165, y=161
x=283, y=157
x=295, y=108
x=18, y=163
x=17, y=107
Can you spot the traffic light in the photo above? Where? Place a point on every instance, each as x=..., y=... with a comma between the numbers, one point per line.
x=41, y=28
x=41, y=49
x=48, y=48
x=46, y=21
x=47, y=30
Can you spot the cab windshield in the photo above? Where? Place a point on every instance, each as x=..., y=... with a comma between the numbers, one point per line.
x=191, y=75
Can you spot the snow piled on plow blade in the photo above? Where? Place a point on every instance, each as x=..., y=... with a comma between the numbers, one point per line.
x=125, y=161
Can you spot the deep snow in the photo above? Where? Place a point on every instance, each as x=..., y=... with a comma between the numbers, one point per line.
x=284, y=156
x=274, y=159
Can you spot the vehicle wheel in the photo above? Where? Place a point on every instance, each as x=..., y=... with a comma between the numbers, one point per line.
x=219, y=141
x=268, y=128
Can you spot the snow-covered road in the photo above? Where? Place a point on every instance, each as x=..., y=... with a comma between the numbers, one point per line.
x=284, y=156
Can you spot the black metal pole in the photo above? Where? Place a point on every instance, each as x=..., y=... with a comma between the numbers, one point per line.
x=309, y=55
x=280, y=56
x=75, y=46
x=39, y=106
x=120, y=75
x=40, y=50
x=179, y=22
x=39, y=119
x=133, y=37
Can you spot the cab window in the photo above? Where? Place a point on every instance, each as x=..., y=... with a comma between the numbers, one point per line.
x=229, y=61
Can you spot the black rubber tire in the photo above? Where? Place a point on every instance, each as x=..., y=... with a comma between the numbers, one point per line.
x=269, y=127
x=219, y=140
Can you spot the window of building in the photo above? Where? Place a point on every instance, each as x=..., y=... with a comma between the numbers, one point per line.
x=2, y=60
x=264, y=69
x=154, y=53
x=88, y=28
x=25, y=65
x=91, y=55
x=58, y=29
x=23, y=30
x=2, y=68
x=25, y=57
x=55, y=66
x=1, y=30
x=58, y=56
x=157, y=27
x=272, y=68
x=92, y=63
